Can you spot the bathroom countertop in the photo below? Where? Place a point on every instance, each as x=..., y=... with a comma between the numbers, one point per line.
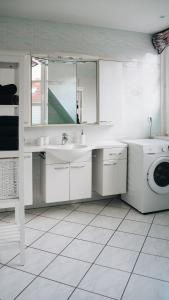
x=96, y=145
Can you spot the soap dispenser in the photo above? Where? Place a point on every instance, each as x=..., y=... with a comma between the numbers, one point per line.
x=82, y=138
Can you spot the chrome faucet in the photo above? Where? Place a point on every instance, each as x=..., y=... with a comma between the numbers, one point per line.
x=64, y=138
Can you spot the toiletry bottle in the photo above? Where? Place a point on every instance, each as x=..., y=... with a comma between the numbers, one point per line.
x=83, y=138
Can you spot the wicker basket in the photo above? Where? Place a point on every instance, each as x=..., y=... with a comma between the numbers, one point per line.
x=8, y=178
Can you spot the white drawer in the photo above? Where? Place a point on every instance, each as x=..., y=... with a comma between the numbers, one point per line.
x=114, y=153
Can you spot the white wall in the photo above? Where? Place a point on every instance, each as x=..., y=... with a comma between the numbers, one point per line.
x=142, y=74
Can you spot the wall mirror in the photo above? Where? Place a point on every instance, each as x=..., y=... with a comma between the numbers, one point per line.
x=63, y=91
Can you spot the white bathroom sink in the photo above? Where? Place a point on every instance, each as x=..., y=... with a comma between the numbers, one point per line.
x=68, y=152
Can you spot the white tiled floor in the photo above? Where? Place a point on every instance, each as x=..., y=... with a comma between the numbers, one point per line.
x=90, y=251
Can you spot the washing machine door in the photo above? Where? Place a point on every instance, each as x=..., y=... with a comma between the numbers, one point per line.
x=158, y=176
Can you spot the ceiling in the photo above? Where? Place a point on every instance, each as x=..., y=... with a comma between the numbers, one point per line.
x=146, y=16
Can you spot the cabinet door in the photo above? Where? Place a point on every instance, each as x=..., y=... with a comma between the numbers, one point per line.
x=57, y=183
x=114, y=177
x=80, y=180
x=110, y=92
x=28, y=197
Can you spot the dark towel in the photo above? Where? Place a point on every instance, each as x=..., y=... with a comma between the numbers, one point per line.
x=9, y=121
x=8, y=89
x=9, y=99
x=8, y=131
x=9, y=144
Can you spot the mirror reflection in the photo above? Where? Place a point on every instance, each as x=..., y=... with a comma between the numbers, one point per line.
x=63, y=92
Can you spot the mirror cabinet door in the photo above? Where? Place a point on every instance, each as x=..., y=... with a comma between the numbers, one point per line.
x=63, y=92
x=86, y=92
x=37, y=91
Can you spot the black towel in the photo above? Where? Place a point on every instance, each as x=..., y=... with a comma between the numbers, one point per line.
x=9, y=99
x=8, y=89
x=9, y=121
x=9, y=144
x=8, y=131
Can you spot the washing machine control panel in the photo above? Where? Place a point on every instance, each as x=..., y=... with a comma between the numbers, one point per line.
x=153, y=149
x=165, y=148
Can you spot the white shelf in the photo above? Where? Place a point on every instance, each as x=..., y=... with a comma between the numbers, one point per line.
x=8, y=154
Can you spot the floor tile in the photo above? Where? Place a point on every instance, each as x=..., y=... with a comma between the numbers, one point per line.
x=71, y=206
x=70, y=272
x=80, y=217
x=56, y=213
x=137, y=216
x=118, y=203
x=8, y=253
x=117, y=258
x=140, y=288
x=35, y=261
x=102, y=202
x=31, y=235
x=114, y=212
x=42, y=223
x=83, y=295
x=36, y=211
x=105, y=281
x=156, y=247
x=43, y=289
x=106, y=222
x=52, y=243
x=127, y=241
x=12, y=282
x=95, y=234
x=162, y=218
x=67, y=229
x=134, y=227
x=83, y=250
x=90, y=208
x=159, y=231
x=153, y=266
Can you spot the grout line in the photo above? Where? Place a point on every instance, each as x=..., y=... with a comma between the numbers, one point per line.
x=137, y=259
x=36, y=276
x=96, y=256
x=94, y=293
x=157, y=238
x=152, y=254
x=86, y=225
x=166, y=281
x=52, y=260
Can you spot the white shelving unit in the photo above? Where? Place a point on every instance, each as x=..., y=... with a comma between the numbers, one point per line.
x=12, y=71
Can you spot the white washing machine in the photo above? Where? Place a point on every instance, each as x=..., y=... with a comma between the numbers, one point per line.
x=148, y=175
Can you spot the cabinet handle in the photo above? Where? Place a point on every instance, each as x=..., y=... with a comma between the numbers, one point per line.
x=106, y=122
x=120, y=153
x=109, y=164
x=27, y=156
x=59, y=168
x=77, y=167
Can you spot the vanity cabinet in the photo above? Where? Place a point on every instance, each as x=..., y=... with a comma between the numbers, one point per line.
x=28, y=194
x=67, y=181
x=109, y=171
x=80, y=180
x=57, y=182
x=110, y=90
